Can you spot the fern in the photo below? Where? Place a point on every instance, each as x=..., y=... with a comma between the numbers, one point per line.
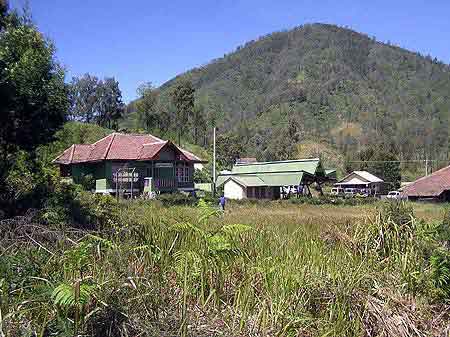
x=107, y=243
x=186, y=227
x=207, y=211
x=64, y=295
x=236, y=229
x=188, y=258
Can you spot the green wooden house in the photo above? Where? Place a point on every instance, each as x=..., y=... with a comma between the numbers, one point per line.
x=127, y=162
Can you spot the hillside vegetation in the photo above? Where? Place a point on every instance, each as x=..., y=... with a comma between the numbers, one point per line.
x=325, y=83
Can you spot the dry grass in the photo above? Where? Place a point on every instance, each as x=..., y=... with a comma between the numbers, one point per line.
x=295, y=270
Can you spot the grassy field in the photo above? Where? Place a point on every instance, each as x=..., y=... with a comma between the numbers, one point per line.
x=263, y=269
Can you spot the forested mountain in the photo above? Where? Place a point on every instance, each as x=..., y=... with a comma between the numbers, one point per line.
x=326, y=84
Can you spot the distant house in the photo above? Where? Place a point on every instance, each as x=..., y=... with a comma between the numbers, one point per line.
x=128, y=161
x=361, y=182
x=267, y=180
x=434, y=186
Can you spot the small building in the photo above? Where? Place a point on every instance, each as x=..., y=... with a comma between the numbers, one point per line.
x=435, y=186
x=361, y=182
x=268, y=180
x=129, y=163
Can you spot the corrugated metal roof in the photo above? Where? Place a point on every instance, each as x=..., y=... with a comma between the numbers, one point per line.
x=263, y=179
x=369, y=176
x=302, y=165
x=430, y=186
x=353, y=181
x=364, y=176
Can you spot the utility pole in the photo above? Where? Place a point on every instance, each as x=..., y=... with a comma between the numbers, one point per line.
x=214, y=161
x=426, y=166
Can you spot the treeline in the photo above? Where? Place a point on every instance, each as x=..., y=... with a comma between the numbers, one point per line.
x=178, y=113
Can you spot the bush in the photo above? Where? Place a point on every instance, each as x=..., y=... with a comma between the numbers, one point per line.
x=399, y=212
x=440, y=271
x=177, y=199
x=71, y=205
x=88, y=182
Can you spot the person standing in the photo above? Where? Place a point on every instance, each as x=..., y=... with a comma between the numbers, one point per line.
x=222, y=202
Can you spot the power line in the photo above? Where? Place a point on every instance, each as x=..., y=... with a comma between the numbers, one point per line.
x=400, y=161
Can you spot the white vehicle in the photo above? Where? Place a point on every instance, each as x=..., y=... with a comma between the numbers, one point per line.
x=394, y=195
x=337, y=191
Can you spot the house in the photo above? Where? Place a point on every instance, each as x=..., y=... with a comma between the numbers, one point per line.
x=268, y=180
x=361, y=182
x=127, y=162
x=435, y=186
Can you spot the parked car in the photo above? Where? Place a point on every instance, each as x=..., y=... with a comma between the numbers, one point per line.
x=394, y=195
x=337, y=191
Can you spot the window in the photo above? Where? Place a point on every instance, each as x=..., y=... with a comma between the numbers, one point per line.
x=182, y=173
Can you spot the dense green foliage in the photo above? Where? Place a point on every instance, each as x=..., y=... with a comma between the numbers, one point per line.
x=329, y=84
x=34, y=104
x=96, y=101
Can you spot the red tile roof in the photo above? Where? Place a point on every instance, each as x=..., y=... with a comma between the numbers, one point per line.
x=430, y=186
x=118, y=146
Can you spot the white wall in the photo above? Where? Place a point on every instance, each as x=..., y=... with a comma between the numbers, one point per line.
x=232, y=190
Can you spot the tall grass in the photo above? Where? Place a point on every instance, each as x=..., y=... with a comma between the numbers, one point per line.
x=254, y=271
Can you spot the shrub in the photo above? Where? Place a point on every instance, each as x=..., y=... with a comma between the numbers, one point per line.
x=440, y=267
x=177, y=199
x=70, y=204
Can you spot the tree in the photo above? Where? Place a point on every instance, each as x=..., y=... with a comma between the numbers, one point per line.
x=198, y=122
x=34, y=103
x=110, y=105
x=183, y=100
x=32, y=89
x=84, y=98
x=94, y=100
x=3, y=12
x=146, y=105
x=379, y=161
x=228, y=147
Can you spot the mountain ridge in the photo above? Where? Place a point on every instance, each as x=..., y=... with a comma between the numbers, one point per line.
x=324, y=82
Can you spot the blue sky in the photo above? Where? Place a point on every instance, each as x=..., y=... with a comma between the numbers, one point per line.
x=150, y=40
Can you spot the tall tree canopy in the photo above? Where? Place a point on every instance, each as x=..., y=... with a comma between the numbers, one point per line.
x=33, y=105
x=183, y=100
x=32, y=89
x=95, y=100
x=146, y=107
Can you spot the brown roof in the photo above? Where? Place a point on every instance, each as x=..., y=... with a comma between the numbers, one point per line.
x=118, y=146
x=430, y=186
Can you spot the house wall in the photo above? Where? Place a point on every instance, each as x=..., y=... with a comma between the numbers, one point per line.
x=232, y=190
x=97, y=170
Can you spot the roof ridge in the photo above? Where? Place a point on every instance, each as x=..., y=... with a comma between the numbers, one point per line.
x=71, y=153
x=279, y=161
x=109, y=145
x=111, y=134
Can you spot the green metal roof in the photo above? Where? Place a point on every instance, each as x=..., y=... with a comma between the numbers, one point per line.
x=310, y=166
x=263, y=179
x=278, y=173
